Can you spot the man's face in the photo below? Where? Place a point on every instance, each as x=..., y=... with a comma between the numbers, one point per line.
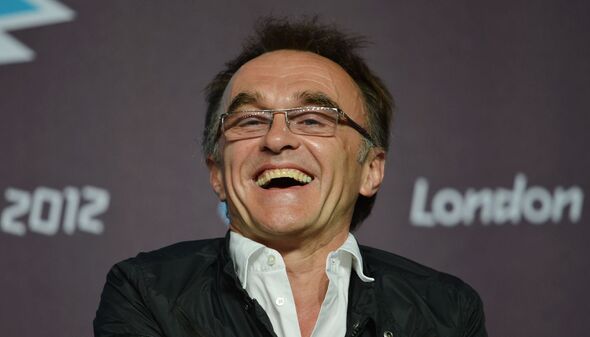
x=280, y=80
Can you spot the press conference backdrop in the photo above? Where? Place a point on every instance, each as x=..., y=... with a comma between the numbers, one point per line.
x=102, y=109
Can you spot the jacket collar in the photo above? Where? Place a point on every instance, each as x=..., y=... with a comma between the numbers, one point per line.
x=364, y=309
x=362, y=304
x=224, y=283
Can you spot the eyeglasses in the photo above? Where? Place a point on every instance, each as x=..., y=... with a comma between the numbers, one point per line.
x=309, y=121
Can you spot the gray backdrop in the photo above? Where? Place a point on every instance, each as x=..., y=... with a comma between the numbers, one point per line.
x=486, y=178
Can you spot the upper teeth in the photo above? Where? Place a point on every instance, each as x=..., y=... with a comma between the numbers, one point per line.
x=268, y=175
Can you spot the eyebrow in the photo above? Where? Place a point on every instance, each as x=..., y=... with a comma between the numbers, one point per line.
x=243, y=98
x=305, y=97
x=316, y=98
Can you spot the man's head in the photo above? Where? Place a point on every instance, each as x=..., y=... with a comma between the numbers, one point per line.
x=290, y=65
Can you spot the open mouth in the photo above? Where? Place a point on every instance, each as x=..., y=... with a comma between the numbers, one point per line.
x=282, y=178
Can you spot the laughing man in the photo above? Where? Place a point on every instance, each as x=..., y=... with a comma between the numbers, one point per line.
x=295, y=140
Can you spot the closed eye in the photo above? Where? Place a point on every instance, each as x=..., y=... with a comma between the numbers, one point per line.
x=313, y=120
x=310, y=122
x=251, y=121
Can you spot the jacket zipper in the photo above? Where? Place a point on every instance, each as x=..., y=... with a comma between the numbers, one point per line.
x=357, y=327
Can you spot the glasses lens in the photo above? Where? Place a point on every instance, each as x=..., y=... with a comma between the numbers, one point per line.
x=245, y=124
x=314, y=121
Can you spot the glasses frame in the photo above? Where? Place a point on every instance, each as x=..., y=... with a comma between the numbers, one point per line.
x=342, y=118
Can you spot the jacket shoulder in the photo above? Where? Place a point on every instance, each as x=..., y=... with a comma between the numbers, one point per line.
x=170, y=269
x=141, y=292
x=386, y=264
x=437, y=296
x=208, y=249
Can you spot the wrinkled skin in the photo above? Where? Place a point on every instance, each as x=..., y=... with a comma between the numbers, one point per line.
x=314, y=215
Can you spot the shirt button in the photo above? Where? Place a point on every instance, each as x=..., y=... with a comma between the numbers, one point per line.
x=388, y=334
x=280, y=301
x=271, y=260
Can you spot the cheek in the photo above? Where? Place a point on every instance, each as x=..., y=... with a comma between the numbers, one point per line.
x=336, y=156
x=230, y=162
x=237, y=159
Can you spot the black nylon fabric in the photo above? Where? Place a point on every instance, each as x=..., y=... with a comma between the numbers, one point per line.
x=191, y=289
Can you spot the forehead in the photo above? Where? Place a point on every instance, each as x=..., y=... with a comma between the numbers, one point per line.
x=278, y=78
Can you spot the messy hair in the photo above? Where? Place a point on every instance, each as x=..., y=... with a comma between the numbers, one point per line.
x=309, y=35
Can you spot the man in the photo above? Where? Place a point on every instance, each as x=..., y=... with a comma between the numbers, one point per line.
x=295, y=139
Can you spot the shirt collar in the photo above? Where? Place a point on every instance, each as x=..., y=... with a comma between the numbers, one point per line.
x=352, y=247
x=242, y=249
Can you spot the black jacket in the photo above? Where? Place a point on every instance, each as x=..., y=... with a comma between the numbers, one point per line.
x=191, y=289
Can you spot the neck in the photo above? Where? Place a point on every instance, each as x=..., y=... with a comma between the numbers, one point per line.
x=309, y=283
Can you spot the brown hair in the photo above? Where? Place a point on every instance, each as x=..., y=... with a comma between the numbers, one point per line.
x=326, y=40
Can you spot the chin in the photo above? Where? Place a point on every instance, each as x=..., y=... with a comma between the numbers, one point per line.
x=282, y=225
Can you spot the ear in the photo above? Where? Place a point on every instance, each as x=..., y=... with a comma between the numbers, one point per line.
x=216, y=177
x=373, y=171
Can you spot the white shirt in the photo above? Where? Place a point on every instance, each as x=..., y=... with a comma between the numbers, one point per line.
x=262, y=273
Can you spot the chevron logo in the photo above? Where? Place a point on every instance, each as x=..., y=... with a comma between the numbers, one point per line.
x=20, y=14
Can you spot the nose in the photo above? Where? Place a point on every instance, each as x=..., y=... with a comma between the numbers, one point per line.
x=279, y=137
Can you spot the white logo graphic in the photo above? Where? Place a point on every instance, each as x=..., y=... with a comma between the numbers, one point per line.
x=73, y=209
x=19, y=14
x=535, y=204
